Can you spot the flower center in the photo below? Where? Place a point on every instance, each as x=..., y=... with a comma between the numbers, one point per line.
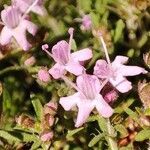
x=88, y=87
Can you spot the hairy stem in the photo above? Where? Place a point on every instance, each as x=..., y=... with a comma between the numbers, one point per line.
x=111, y=141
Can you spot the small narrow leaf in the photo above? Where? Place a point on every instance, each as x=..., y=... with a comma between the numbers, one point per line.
x=119, y=30
x=96, y=139
x=132, y=114
x=6, y=100
x=8, y=136
x=72, y=132
x=38, y=108
x=143, y=135
x=102, y=124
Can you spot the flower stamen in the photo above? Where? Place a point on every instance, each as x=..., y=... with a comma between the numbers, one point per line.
x=30, y=8
x=105, y=48
x=70, y=31
x=44, y=48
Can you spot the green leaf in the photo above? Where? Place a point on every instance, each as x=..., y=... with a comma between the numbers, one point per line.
x=119, y=30
x=143, y=40
x=38, y=108
x=147, y=112
x=143, y=135
x=36, y=144
x=95, y=19
x=132, y=114
x=102, y=123
x=96, y=139
x=6, y=100
x=92, y=118
x=125, y=105
x=9, y=136
x=72, y=132
x=122, y=130
x=84, y=5
x=73, y=45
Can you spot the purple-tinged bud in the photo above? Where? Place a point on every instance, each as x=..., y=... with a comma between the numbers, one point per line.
x=109, y=93
x=86, y=22
x=30, y=61
x=49, y=120
x=50, y=108
x=47, y=136
x=111, y=96
x=43, y=75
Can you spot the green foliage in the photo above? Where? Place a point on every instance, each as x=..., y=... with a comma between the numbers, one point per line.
x=37, y=107
x=143, y=135
x=125, y=27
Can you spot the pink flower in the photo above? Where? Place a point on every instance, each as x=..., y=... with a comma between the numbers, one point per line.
x=116, y=72
x=16, y=26
x=24, y=5
x=86, y=22
x=86, y=99
x=65, y=60
x=43, y=75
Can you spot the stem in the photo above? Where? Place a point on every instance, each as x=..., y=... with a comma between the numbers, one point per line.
x=11, y=68
x=105, y=49
x=112, y=143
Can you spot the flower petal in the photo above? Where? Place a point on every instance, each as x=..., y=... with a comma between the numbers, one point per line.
x=69, y=102
x=61, y=52
x=89, y=85
x=39, y=10
x=84, y=109
x=82, y=55
x=102, y=69
x=5, y=36
x=57, y=71
x=103, y=107
x=19, y=34
x=131, y=70
x=121, y=84
x=120, y=60
x=30, y=27
x=75, y=68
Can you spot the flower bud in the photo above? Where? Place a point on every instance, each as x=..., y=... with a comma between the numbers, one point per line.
x=86, y=22
x=43, y=75
x=30, y=61
x=111, y=96
x=50, y=108
x=47, y=136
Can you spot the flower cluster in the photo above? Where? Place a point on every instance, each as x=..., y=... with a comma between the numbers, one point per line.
x=15, y=20
x=89, y=87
